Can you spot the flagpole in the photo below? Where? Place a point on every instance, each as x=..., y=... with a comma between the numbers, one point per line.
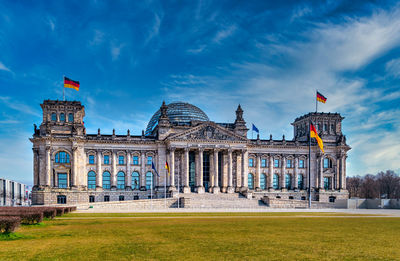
x=165, y=189
x=151, y=192
x=309, y=167
x=316, y=101
x=178, y=190
x=63, y=88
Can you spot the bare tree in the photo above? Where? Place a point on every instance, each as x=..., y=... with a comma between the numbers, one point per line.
x=369, y=187
x=388, y=183
x=354, y=186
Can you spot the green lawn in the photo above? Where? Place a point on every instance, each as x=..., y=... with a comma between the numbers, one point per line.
x=220, y=236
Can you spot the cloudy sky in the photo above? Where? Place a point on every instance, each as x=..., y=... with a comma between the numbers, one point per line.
x=266, y=55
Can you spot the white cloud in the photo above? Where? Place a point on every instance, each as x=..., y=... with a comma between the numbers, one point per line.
x=98, y=38
x=155, y=29
x=393, y=67
x=18, y=106
x=116, y=50
x=51, y=23
x=4, y=68
x=224, y=33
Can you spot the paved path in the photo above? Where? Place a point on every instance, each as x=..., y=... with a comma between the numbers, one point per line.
x=372, y=212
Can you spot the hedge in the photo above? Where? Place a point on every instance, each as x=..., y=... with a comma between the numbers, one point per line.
x=8, y=224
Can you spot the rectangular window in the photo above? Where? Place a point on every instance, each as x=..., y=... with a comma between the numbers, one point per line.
x=106, y=159
x=62, y=180
x=276, y=163
x=289, y=163
x=135, y=160
x=70, y=117
x=327, y=183
x=325, y=127
x=332, y=128
x=149, y=160
x=251, y=163
x=121, y=160
x=91, y=159
x=263, y=163
x=106, y=198
x=301, y=164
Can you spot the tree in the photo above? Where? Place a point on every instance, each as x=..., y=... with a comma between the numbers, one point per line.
x=388, y=183
x=354, y=186
x=369, y=187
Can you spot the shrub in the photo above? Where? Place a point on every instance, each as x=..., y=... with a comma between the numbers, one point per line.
x=30, y=218
x=60, y=211
x=9, y=223
x=66, y=210
x=49, y=212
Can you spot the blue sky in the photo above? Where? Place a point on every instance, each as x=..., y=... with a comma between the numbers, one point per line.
x=269, y=56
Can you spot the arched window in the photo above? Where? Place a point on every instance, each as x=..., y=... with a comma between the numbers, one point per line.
x=288, y=181
x=62, y=117
x=300, y=181
x=62, y=157
x=250, y=180
x=106, y=180
x=149, y=180
x=263, y=181
x=327, y=163
x=251, y=162
x=275, y=181
x=54, y=116
x=70, y=117
x=61, y=199
x=121, y=180
x=91, y=180
x=135, y=180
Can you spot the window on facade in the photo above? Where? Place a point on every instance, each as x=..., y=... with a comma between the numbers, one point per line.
x=121, y=160
x=301, y=164
x=251, y=162
x=62, y=157
x=327, y=163
x=91, y=199
x=332, y=128
x=135, y=160
x=61, y=199
x=325, y=127
x=276, y=163
x=54, y=116
x=332, y=199
x=106, y=180
x=250, y=180
x=289, y=163
x=263, y=163
x=91, y=180
x=121, y=198
x=106, y=159
x=149, y=180
x=263, y=181
x=327, y=183
x=70, y=117
x=300, y=182
x=62, y=180
x=121, y=180
x=135, y=180
x=275, y=181
x=106, y=198
x=62, y=117
x=149, y=160
x=288, y=181
x=91, y=159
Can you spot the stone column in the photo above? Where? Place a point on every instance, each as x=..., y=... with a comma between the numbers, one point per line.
x=342, y=170
x=271, y=172
x=321, y=172
x=36, y=168
x=296, y=171
x=74, y=171
x=230, y=177
x=199, y=175
x=283, y=170
x=142, y=171
x=114, y=170
x=99, y=174
x=186, y=188
x=258, y=173
x=172, y=169
x=128, y=169
x=216, y=185
x=245, y=167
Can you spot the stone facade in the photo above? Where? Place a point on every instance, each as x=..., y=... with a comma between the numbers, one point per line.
x=71, y=166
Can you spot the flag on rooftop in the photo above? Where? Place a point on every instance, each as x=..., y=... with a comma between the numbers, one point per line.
x=254, y=128
x=167, y=166
x=68, y=83
x=320, y=97
x=154, y=168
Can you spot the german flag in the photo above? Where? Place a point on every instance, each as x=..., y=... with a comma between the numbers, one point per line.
x=167, y=166
x=321, y=98
x=68, y=83
x=314, y=134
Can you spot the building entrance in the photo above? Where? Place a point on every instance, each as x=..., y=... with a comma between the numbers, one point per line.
x=206, y=170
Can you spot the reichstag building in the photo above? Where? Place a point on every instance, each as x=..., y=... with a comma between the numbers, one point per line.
x=71, y=166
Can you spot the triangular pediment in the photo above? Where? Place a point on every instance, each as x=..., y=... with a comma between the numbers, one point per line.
x=208, y=131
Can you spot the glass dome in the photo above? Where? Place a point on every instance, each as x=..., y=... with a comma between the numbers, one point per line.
x=179, y=113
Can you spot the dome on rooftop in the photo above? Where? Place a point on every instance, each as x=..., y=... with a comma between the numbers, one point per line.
x=179, y=113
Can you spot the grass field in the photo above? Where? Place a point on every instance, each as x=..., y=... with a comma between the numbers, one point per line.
x=206, y=236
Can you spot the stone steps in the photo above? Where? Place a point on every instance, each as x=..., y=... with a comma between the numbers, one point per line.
x=208, y=200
